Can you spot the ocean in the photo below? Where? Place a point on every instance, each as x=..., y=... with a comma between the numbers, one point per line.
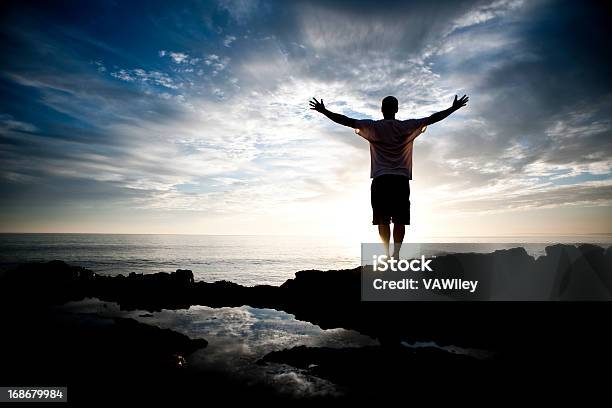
x=246, y=260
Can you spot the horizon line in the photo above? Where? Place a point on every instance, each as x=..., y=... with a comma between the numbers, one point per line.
x=565, y=234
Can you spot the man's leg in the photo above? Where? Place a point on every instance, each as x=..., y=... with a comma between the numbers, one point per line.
x=385, y=234
x=398, y=237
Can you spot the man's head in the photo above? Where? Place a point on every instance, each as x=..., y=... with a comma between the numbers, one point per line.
x=389, y=106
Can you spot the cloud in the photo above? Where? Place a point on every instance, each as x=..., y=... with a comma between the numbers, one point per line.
x=145, y=77
x=8, y=125
x=228, y=40
x=216, y=63
x=240, y=10
x=486, y=12
x=179, y=57
x=221, y=126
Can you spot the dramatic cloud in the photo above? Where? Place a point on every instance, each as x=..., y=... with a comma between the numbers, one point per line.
x=196, y=116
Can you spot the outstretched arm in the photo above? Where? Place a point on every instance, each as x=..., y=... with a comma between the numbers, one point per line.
x=336, y=117
x=457, y=104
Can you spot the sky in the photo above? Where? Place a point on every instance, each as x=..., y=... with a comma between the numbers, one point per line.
x=192, y=116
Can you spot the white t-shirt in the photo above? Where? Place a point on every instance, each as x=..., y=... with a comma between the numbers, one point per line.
x=390, y=144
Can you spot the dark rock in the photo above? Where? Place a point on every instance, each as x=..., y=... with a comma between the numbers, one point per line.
x=531, y=338
x=103, y=360
x=332, y=299
x=373, y=368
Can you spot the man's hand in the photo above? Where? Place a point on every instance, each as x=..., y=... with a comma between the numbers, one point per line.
x=316, y=105
x=340, y=119
x=459, y=103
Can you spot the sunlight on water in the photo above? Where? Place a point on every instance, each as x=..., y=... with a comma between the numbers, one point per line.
x=247, y=260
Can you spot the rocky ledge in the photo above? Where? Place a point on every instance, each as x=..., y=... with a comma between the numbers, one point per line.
x=546, y=336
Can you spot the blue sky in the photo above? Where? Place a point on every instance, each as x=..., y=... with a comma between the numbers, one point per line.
x=191, y=116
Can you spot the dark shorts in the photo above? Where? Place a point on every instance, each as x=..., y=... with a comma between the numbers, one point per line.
x=390, y=196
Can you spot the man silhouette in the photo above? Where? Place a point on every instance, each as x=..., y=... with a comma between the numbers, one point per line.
x=390, y=162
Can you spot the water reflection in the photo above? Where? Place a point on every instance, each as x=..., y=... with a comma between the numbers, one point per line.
x=238, y=337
